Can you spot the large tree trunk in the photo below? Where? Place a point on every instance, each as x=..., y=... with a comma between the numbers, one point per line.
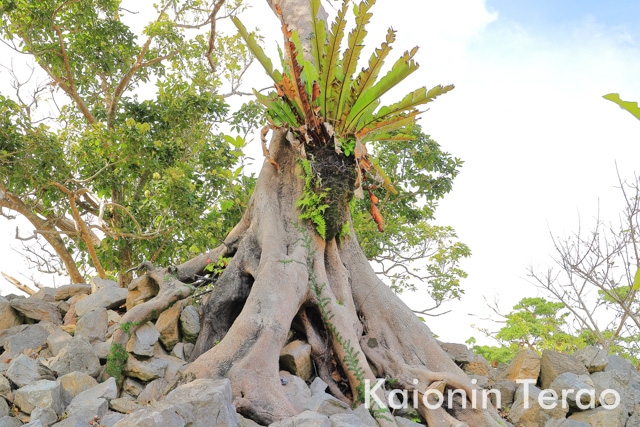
x=269, y=283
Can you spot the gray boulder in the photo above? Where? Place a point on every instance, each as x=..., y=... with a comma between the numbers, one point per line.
x=554, y=363
x=601, y=416
x=87, y=410
x=404, y=422
x=143, y=339
x=46, y=294
x=10, y=422
x=366, y=419
x=325, y=404
x=318, y=386
x=4, y=407
x=98, y=283
x=572, y=384
x=305, y=419
x=8, y=316
x=345, y=420
x=594, y=358
x=506, y=390
x=527, y=411
x=57, y=341
x=24, y=371
x=77, y=356
x=46, y=416
x=93, y=326
x=202, y=402
x=524, y=365
x=190, y=323
x=43, y=393
x=107, y=297
x=295, y=357
x=295, y=389
x=153, y=391
x=458, y=352
x=30, y=337
x=110, y=419
x=145, y=370
x=37, y=309
x=67, y=291
x=565, y=423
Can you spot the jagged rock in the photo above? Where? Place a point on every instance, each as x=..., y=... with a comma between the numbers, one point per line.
x=102, y=349
x=142, y=340
x=30, y=337
x=57, y=341
x=525, y=365
x=75, y=383
x=36, y=309
x=624, y=366
x=305, y=419
x=5, y=388
x=97, y=283
x=153, y=391
x=167, y=326
x=479, y=380
x=325, y=404
x=8, y=316
x=365, y=416
x=4, y=408
x=570, y=381
x=594, y=358
x=46, y=416
x=634, y=420
x=10, y=422
x=107, y=390
x=601, y=416
x=506, y=389
x=141, y=289
x=458, y=352
x=615, y=380
x=295, y=357
x=43, y=393
x=190, y=323
x=295, y=389
x=404, y=422
x=198, y=403
x=93, y=325
x=45, y=294
x=318, y=386
x=528, y=412
x=110, y=419
x=345, y=420
x=107, y=297
x=246, y=422
x=67, y=291
x=177, y=350
x=24, y=370
x=132, y=387
x=565, y=423
x=188, y=349
x=86, y=410
x=554, y=363
x=145, y=370
x=123, y=405
x=174, y=365
x=77, y=356
x=477, y=366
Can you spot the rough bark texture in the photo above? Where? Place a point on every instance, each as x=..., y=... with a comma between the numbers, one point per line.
x=251, y=310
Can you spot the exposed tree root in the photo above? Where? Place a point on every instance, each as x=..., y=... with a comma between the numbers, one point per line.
x=281, y=271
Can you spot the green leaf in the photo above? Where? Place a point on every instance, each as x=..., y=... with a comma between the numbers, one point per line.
x=330, y=61
x=636, y=281
x=257, y=51
x=319, y=37
x=631, y=107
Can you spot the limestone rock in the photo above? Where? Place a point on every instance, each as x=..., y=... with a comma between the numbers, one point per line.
x=57, y=341
x=102, y=349
x=37, y=309
x=565, y=423
x=67, y=291
x=110, y=419
x=93, y=325
x=570, y=381
x=75, y=383
x=527, y=412
x=142, y=340
x=106, y=390
x=32, y=337
x=10, y=422
x=524, y=365
x=365, y=416
x=124, y=405
x=202, y=402
x=177, y=350
x=4, y=408
x=477, y=366
x=594, y=358
x=107, y=297
x=554, y=363
x=506, y=390
x=167, y=326
x=46, y=416
x=295, y=389
x=295, y=357
x=601, y=416
x=8, y=316
x=46, y=294
x=24, y=371
x=77, y=356
x=345, y=420
x=305, y=419
x=97, y=283
x=145, y=370
x=132, y=387
x=190, y=323
x=325, y=404
x=623, y=366
x=43, y=393
x=141, y=289
x=404, y=422
x=458, y=352
x=5, y=388
x=318, y=386
x=153, y=391
x=86, y=410
x=188, y=349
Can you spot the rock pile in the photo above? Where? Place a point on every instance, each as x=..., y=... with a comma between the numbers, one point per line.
x=54, y=347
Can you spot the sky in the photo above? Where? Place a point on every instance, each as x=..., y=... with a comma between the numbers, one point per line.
x=539, y=142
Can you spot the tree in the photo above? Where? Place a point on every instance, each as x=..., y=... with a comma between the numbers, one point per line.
x=596, y=277
x=534, y=324
x=293, y=261
x=114, y=179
